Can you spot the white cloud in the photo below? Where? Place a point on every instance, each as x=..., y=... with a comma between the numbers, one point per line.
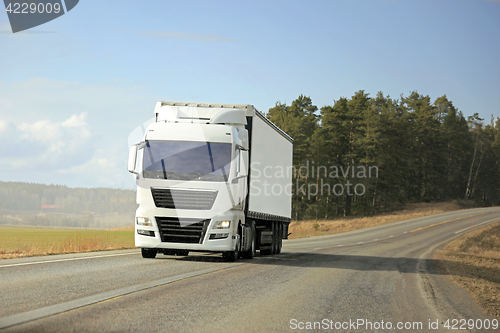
x=64, y=152
x=46, y=145
x=3, y=126
x=106, y=171
x=69, y=133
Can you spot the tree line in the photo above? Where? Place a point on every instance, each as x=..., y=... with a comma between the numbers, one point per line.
x=416, y=150
x=359, y=156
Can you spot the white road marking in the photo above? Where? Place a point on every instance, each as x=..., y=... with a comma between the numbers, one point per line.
x=24, y=317
x=476, y=225
x=69, y=259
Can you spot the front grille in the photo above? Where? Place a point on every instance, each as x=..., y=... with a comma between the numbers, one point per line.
x=183, y=199
x=184, y=230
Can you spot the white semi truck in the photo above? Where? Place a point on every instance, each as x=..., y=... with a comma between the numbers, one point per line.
x=212, y=178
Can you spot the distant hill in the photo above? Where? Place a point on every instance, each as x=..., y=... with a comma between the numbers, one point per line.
x=57, y=205
x=18, y=196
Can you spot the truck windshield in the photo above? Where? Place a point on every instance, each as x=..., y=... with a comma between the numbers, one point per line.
x=183, y=160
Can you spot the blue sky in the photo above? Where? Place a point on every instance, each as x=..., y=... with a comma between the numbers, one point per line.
x=72, y=90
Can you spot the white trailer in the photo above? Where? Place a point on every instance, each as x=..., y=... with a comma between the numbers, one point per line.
x=212, y=178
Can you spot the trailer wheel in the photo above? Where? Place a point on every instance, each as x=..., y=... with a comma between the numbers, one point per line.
x=271, y=248
x=148, y=253
x=275, y=238
x=266, y=252
x=279, y=237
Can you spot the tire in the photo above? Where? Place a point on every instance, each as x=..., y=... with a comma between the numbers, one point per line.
x=231, y=256
x=148, y=253
x=266, y=252
x=279, y=238
x=269, y=249
x=275, y=238
x=251, y=252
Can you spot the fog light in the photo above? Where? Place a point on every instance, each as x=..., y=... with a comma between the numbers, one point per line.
x=143, y=221
x=146, y=232
x=222, y=225
x=218, y=236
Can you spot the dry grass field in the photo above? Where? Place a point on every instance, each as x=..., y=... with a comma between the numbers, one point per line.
x=311, y=228
x=35, y=241
x=65, y=220
x=30, y=241
x=473, y=262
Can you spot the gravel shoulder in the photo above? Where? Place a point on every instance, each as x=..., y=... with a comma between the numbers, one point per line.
x=472, y=261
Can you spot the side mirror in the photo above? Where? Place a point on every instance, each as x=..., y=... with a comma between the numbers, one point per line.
x=132, y=157
x=235, y=179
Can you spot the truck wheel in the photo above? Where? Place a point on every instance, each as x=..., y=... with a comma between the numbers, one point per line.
x=231, y=256
x=251, y=252
x=275, y=238
x=148, y=253
x=234, y=255
x=279, y=238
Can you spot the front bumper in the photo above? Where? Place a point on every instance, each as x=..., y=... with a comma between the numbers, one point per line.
x=164, y=236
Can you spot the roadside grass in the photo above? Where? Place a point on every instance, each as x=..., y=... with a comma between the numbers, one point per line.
x=30, y=241
x=11, y=218
x=33, y=241
x=473, y=262
x=310, y=228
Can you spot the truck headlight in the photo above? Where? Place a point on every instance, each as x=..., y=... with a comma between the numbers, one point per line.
x=146, y=232
x=218, y=236
x=143, y=221
x=222, y=225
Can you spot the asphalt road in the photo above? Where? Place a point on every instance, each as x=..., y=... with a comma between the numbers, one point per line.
x=359, y=281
